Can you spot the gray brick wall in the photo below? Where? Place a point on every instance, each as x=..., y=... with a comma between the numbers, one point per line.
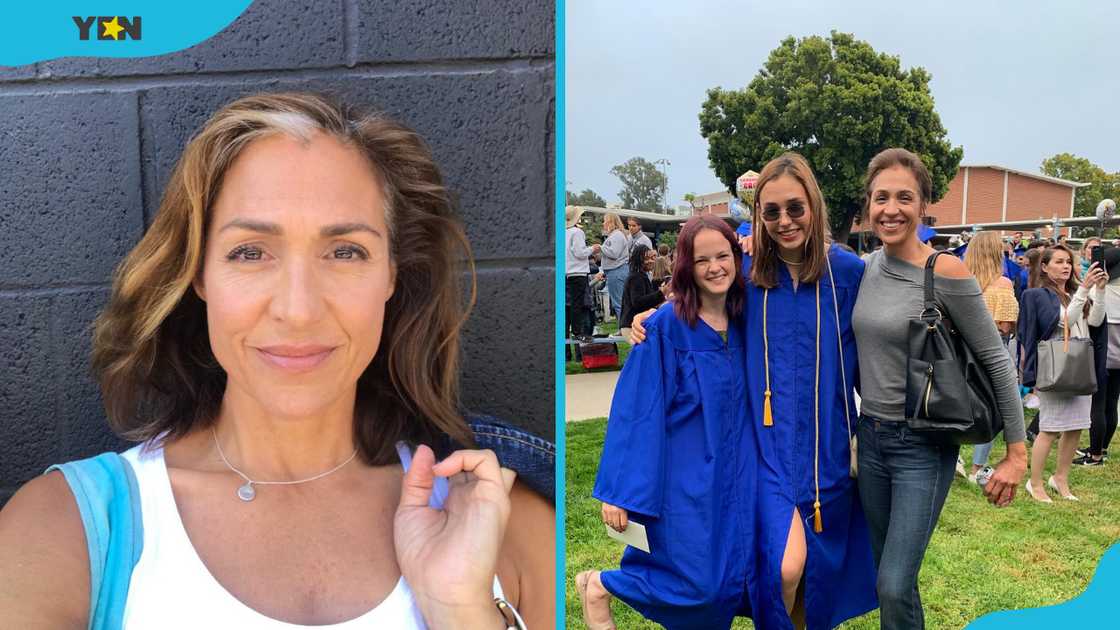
x=86, y=146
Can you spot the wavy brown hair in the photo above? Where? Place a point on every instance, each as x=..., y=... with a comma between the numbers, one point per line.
x=151, y=348
x=764, y=263
x=1069, y=287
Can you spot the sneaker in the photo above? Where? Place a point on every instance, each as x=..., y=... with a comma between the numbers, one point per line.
x=1082, y=452
x=972, y=479
x=960, y=468
x=1086, y=460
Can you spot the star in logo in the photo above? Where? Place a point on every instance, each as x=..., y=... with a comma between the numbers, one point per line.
x=113, y=28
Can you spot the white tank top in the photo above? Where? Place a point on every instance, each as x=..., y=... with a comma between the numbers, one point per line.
x=171, y=588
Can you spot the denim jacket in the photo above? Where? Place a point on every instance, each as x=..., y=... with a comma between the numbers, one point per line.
x=533, y=458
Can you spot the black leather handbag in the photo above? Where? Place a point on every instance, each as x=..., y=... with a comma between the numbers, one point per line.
x=948, y=392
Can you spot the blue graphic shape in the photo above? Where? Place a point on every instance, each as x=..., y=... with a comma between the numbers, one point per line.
x=925, y=233
x=1095, y=604
x=40, y=31
x=738, y=210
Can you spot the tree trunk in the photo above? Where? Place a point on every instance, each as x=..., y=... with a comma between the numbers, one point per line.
x=842, y=230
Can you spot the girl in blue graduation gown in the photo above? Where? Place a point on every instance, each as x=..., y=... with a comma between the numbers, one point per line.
x=678, y=456
x=813, y=563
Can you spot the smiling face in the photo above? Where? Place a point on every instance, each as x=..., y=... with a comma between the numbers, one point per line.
x=786, y=214
x=1059, y=268
x=895, y=205
x=713, y=266
x=648, y=260
x=296, y=273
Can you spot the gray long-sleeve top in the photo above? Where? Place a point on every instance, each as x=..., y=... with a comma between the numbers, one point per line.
x=890, y=295
x=615, y=250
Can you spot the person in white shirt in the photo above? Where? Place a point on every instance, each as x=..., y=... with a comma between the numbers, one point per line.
x=578, y=300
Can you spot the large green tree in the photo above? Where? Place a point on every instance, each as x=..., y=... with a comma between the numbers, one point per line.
x=1102, y=185
x=837, y=102
x=586, y=198
x=642, y=184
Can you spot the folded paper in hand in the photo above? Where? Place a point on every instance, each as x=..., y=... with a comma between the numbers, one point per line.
x=634, y=535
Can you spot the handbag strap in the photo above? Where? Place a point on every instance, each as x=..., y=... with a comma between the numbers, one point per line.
x=1065, y=328
x=929, y=306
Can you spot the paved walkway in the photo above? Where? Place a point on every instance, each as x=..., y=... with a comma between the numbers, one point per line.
x=588, y=395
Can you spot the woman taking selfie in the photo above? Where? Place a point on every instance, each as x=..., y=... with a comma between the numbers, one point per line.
x=284, y=343
x=674, y=459
x=1060, y=305
x=904, y=475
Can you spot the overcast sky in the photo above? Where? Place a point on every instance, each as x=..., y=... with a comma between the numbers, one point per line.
x=1014, y=81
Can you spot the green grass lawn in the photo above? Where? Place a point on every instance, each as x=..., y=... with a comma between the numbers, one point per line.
x=981, y=559
x=610, y=328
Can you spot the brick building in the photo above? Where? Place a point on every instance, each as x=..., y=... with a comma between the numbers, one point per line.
x=712, y=203
x=986, y=193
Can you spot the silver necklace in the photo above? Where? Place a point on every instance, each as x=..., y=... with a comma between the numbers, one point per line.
x=248, y=493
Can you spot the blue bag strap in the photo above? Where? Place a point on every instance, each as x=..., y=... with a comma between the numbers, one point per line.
x=439, y=485
x=109, y=502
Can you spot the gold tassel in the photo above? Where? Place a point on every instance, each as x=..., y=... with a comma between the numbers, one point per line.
x=767, y=414
x=818, y=527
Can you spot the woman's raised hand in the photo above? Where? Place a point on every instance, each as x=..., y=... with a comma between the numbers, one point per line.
x=449, y=556
x=637, y=330
x=1095, y=276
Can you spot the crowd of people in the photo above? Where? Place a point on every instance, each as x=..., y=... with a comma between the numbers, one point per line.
x=735, y=438
x=634, y=273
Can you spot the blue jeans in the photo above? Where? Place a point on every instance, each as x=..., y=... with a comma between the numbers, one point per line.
x=904, y=478
x=980, y=453
x=616, y=282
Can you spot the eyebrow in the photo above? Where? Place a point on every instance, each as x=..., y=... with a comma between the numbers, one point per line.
x=274, y=229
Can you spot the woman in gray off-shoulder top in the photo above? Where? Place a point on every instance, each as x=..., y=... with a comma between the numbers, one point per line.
x=904, y=476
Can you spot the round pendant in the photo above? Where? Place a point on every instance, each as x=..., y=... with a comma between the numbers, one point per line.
x=246, y=492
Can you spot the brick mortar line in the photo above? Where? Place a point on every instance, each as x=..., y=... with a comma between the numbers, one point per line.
x=48, y=86
x=51, y=291
x=145, y=201
x=350, y=19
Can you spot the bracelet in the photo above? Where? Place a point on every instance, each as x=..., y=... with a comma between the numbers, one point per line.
x=513, y=620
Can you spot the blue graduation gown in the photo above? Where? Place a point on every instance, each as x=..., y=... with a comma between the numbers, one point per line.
x=839, y=568
x=675, y=458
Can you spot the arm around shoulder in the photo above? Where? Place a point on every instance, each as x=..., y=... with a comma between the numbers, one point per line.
x=527, y=568
x=44, y=563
